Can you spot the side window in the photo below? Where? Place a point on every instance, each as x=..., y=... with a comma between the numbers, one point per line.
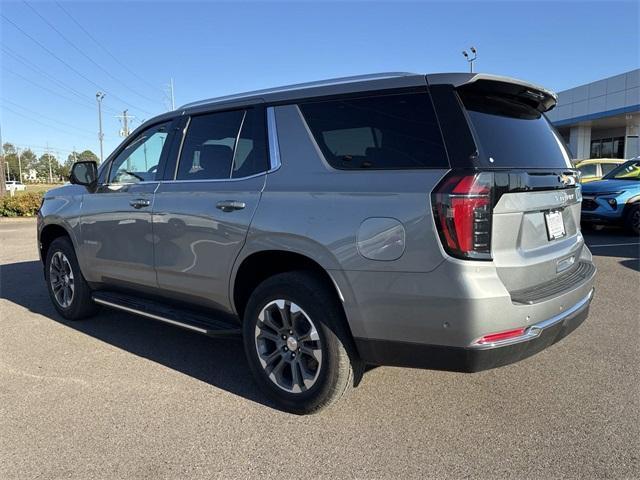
x=224, y=145
x=207, y=152
x=588, y=170
x=396, y=131
x=250, y=155
x=138, y=162
x=607, y=167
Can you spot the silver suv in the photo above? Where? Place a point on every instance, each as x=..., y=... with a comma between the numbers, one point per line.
x=392, y=219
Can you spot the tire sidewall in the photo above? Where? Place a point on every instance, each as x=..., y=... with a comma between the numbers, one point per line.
x=629, y=220
x=64, y=246
x=323, y=319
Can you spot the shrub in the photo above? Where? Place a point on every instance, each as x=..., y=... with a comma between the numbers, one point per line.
x=24, y=205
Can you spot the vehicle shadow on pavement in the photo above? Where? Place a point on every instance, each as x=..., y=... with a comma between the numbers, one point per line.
x=615, y=243
x=218, y=362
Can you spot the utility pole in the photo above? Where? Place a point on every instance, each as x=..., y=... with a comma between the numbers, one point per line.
x=470, y=59
x=99, y=97
x=124, y=119
x=19, y=164
x=169, y=92
x=173, y=99
x=49, y=159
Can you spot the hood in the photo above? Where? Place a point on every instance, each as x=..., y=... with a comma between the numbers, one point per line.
x=66, y=189
x=601, y=186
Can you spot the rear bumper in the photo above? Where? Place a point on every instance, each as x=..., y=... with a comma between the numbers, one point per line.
x=474, y=359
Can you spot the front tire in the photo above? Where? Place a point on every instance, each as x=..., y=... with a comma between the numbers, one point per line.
x=296, y=343
x=69, y=291
x=632, y=220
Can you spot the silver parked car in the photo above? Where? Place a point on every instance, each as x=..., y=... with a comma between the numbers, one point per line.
x=428, y=221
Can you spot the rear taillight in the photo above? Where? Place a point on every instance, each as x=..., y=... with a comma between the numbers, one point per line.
x=501, y=336
x=462, y=206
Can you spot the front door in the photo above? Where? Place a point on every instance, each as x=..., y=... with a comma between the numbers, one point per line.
x=115, y=221
x=202, y=212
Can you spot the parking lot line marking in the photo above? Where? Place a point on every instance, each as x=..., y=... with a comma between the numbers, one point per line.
x=614, y=244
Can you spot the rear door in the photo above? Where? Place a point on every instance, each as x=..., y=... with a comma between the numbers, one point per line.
x=203, y=209
x=535, y=231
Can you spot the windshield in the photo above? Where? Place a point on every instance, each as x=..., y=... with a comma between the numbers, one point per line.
x=627, y=171
x=512, y=134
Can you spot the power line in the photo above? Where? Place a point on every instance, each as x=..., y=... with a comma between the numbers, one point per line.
x=77, y=72
x=42, y=148
x=79, y=50
x=44, y=116
x=42, y=123
x=69, y=99
x=60, y=84
x=104, y=49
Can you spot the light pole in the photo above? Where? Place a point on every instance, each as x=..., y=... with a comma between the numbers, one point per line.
x=19, y=164
x=470, y=59
x=99, y=97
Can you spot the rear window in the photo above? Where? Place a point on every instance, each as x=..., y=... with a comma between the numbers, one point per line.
x=514, y=135
x=397, y=131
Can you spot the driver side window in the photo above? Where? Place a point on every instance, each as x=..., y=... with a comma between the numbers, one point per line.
x=138, y=162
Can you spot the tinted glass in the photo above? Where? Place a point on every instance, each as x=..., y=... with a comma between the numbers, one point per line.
x=381, y=132
x=514, y=135
x=588, y=170
x=250, y=156
x=207, y=151
x=138, y=162
x=618, y=147
x=627, y=171
x=607, y=167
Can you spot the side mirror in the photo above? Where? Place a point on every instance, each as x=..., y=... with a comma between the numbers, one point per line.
x=84, y=173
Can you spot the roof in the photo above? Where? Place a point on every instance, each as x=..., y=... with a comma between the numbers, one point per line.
x=358, y=83
x=333, y=86
x=600, y=160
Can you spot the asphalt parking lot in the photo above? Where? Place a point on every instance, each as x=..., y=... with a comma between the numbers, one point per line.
x=120, y=396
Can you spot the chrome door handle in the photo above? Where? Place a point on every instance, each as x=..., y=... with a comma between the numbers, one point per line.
x=140, y=202
x=230, y=205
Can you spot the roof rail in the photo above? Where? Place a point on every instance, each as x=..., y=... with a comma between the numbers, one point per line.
x=299, y=86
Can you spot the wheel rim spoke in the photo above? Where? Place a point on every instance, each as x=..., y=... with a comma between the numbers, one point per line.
x=289, y=350
x=61, y=279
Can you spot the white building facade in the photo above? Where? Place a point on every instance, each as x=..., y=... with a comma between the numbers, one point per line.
x=601, y=119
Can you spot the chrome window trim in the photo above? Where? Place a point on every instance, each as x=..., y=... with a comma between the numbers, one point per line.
x=184, y=135
x=235, y=144
x=535, y=330
x=274, y=147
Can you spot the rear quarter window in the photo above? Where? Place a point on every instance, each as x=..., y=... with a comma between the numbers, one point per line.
x=383, y=132
x=511, y=134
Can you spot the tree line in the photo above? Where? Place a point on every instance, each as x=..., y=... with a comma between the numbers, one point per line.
x=13, y=160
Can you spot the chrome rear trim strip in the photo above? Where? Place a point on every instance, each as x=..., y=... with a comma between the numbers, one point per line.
x=535, y=330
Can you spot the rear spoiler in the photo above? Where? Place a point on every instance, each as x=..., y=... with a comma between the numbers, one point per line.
x=539, y=98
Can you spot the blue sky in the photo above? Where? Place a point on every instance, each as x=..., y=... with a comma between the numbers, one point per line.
x=216, y=48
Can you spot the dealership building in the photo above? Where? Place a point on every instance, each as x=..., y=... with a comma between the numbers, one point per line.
x=601, y=119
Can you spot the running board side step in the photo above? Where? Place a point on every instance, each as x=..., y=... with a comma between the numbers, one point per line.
x=187, y=319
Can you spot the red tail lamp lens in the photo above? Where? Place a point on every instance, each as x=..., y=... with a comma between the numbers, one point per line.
x=462, y=207
x=506, y=335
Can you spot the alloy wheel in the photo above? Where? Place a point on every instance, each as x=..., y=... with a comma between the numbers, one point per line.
x=61, y=279
x=288, y=346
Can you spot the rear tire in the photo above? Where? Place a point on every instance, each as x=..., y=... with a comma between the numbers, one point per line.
x=69, y=291
x=297, y=345
x=632, y=219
